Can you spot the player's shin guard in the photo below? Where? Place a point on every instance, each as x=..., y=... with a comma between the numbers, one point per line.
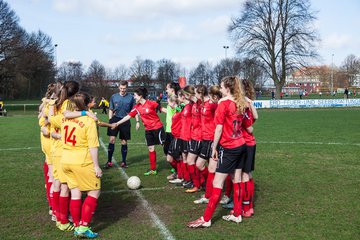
x=173, y=164
x=111, y=149
x=88, y=209
x=48, y=197
x=179, y=170
x=152, y=158
x=185, y=171
x=228, y=186
x=124, y=150
x=75, y=211
x=204, y=173
x=246, y=196
x=64, y=209
x=252, y=192
x=213, y=202
x=194, y=175
x=209, y=185
x=238, y=195
x=55, y=205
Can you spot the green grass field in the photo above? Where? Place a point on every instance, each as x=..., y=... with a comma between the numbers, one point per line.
x=307, y=181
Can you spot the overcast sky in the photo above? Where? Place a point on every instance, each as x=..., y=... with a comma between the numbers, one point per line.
x=115, y=32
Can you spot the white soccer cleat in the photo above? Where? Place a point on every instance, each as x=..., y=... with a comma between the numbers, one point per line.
x=177, y=180
x=199, y=223
x=232, y=218
x=202, y=200
x=225, y=200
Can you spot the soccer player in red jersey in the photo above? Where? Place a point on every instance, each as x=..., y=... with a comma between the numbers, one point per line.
x=154, y=130
x=250, y=116
x=208, y=129
x=185, y=134
x=231, y=152
x=174, y=154
x=201, y=95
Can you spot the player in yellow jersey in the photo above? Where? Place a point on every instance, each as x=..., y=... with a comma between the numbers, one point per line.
x=81, y=166
x=46, y=142
x=61, y=191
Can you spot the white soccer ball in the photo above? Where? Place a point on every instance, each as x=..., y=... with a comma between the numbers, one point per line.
x=134, y=182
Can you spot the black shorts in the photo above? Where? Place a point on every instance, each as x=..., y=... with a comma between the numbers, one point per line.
x=184, y=146
x=168, y=138
x=155, y=137
x=249, y=164
x=175, y=149
x=123, y=129
x=195, y=147
x=206, y=149
x=231, y=159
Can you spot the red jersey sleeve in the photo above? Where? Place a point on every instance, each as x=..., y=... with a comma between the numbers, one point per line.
x=220, y=114
x=133, y=111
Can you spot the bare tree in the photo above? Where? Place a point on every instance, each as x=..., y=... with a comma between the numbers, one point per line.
x=95, y=81
x=167, y=71
x=142, y=72
x=279, y=33
x=121, y=72
x=70, y=71
x=351, y=66
x=202, y=74
x=226, y=67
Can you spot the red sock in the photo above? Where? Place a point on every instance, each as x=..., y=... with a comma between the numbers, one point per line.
x=209, y=185
x=213, y=202
x=64, y=209
x=173, y=164
x=252, y=192
x=75, y=211
x=46, y=170
x=179, y=169
x=194, y=176
x=55, y=205
x=246, y=196
x=238, y=195
x=185, y=171
x=228, y=186
x=152, y=157
x=204, y=173
x=48, y=187
x=88, y=209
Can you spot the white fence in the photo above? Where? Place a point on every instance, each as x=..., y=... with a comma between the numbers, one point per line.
x=308, y=103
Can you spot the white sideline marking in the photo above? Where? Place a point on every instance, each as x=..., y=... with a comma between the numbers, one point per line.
x=163, y=230
x=141, y=189
x=15, y=149
x=312, y=143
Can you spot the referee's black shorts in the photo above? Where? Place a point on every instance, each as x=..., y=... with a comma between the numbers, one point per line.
x=123, y=130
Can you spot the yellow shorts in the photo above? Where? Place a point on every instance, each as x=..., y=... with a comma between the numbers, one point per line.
x=58, y=172
x=82, y=177
x=46, y=148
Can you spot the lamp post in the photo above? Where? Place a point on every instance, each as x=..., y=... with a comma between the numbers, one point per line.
x=56, y=69
x=332, y=74
x=226, y=48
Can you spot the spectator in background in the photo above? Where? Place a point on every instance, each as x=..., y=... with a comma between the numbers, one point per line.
x=281, y=95
x=320, y=94
x=301, y=93
x=346, y=93
x=272, y=95
x=104, y=104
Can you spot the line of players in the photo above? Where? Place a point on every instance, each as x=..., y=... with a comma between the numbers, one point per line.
x=189, y=146
x=69, y=140
x=213, y=143
x=210, y=141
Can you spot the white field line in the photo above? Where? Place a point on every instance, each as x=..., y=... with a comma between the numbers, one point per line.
x=16, y=149
x=163, y=230
x=259, y=142
x=310, y=143
x=141, y=189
